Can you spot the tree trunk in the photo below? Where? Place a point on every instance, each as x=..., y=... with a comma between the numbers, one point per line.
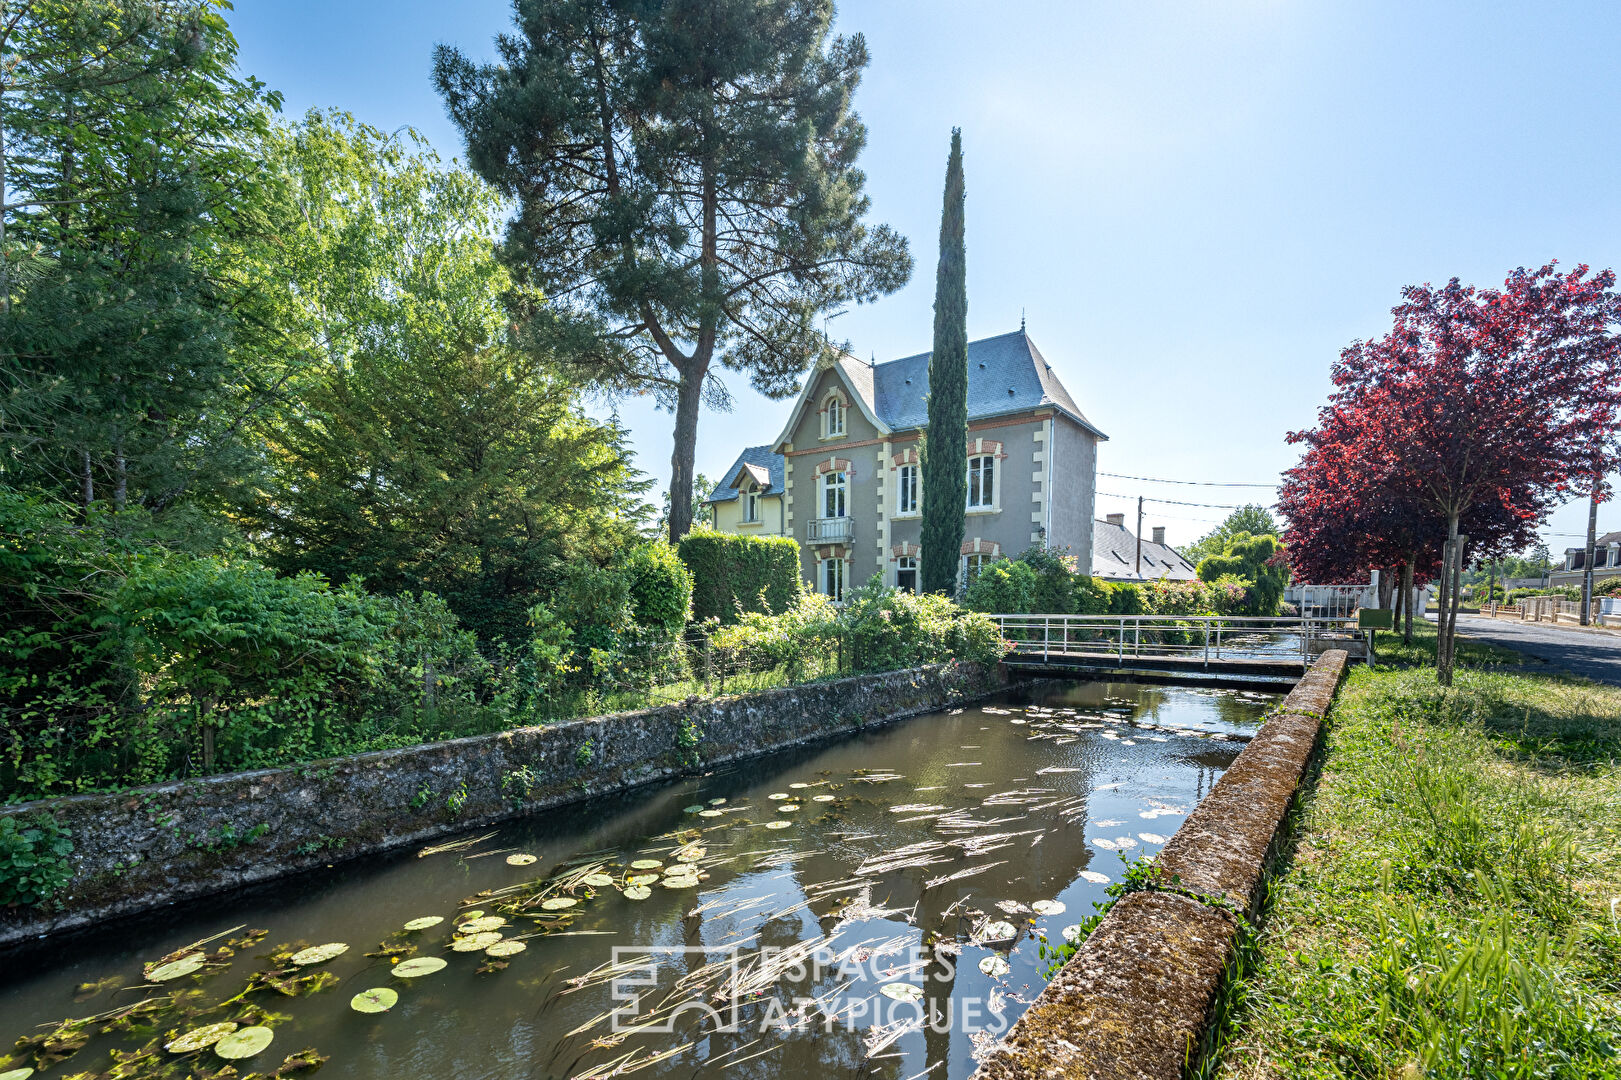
x=688, y=397
x=1387, y=587
x=1407, y=600
x=87, y=483
x=1587, y=564
x=1447, y=617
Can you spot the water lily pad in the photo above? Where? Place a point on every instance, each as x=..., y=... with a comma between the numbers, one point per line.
x=199, y=1038
x=379, y=1000
x=1048, y=907
x=17, y=1074
x=244, y=1043
x=717, y=802
x=823, y=798
x=646, y=864
x=1094, y=877
x=710, y=813
x=475, y=913
x=424, y=922
x=641, y=879
x=1072, y=934
x=557, y=903
x=319, y=954
x=175, y=969
x=481, y=925
x=778, y=824
x=899, y=991
x=997, y=931
x=779, y=795
x=680, y=881
x=598, y=881
x=787, y=808
x=638, y=892
x=695, y=808
x=418, y=966
x=994, y=966
x=799, y=784
x=506, y=948
x=475, y=942
x=690, y=854
x=520, y=859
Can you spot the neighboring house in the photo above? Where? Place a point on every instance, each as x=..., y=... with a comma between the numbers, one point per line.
x=852, y=482
x=1606, y=562
x=749, y=498
x=1114, y=554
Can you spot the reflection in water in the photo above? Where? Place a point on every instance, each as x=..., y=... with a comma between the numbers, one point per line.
x=843, y=896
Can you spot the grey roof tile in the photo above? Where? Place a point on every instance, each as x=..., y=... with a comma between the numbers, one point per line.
x=759, y=457
x=1114, y=556
x=1005, y=374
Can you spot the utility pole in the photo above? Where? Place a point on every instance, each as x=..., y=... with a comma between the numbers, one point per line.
x=1140, y=537
x=1587, y=563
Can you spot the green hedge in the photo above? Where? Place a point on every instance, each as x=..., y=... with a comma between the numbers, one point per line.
x=732, y=574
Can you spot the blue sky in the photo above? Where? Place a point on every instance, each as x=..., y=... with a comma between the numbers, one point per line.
x=1195, y=205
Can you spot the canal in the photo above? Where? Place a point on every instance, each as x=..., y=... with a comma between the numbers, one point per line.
x=871, y=906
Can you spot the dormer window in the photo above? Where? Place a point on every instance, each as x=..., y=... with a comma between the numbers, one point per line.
x=834, y=417
x=751, y=505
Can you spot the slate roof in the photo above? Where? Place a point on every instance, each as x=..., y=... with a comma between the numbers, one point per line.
x=758, y=458
x=1602, y=541
x=1006, y=374
x=1114, y=556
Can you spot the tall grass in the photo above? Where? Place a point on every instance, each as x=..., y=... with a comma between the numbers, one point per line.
x=1446, y=911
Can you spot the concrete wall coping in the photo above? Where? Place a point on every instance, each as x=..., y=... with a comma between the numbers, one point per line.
x=1134, y=1001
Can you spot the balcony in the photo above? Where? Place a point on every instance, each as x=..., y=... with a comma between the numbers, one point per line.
x=838, y=530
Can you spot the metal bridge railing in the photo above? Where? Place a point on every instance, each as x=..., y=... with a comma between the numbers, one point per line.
x=1283, y=638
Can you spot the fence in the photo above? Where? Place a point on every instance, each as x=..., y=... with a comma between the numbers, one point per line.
x=1557, y=609
x=1208, y=637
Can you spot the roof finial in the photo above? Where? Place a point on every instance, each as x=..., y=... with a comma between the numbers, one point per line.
x=1021, y=320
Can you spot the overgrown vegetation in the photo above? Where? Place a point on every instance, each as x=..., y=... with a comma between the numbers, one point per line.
x=734, y=574
x=1448, y=909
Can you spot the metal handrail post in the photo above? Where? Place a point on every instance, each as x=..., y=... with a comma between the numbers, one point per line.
x=1046, y=638
x=1207, y=644
x=1120, y=651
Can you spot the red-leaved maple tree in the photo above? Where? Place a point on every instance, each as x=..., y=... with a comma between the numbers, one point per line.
x=1479, y=410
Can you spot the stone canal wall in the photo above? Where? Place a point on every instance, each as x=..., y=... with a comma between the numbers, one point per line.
x=147, y=847
x=1135, y=999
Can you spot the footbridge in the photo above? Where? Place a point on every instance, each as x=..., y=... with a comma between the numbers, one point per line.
x=1216, y=649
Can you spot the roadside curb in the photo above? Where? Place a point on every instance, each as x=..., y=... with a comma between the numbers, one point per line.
x=1134, y=1001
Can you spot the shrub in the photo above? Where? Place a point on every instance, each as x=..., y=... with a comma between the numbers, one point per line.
x=33, y=859
x=594, y=602
x=1257, y=562
x=733, y=575
x=1126, y=598
x=1092, y=596
x=1164, y=596
x=243, y=653
x=1054, y=590
x=1005, y=587
x=800, y=639
x=660, y=587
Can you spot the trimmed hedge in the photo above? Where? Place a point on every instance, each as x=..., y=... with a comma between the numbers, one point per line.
x=733, y=574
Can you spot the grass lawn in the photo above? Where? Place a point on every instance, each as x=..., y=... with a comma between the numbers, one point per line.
x=1451, y=904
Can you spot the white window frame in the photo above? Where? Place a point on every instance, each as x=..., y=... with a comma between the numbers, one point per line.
x=835, y=483
x=833, y=417
x=908, y=481
x=907, y=564
x=751, y=507
x=987, y=473
x=830, y=575
x=974, y=564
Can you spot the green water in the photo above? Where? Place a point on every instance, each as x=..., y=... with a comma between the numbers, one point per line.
x=848, y=941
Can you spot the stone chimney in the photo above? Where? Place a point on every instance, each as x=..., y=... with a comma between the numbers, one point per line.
x=1116, y=519
x=1159, y=534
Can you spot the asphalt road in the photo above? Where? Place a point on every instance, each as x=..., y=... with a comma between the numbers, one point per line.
x=1597, y=655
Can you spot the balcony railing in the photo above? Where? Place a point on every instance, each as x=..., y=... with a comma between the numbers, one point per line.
x=837, y=530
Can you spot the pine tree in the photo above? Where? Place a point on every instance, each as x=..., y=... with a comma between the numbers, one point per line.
x=945, y=458
x=686, y=196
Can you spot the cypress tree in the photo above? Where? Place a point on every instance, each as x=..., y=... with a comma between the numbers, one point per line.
x=945, y=453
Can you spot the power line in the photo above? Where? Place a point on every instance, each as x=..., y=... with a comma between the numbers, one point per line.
x=1195, y=483
x=1176, y=502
